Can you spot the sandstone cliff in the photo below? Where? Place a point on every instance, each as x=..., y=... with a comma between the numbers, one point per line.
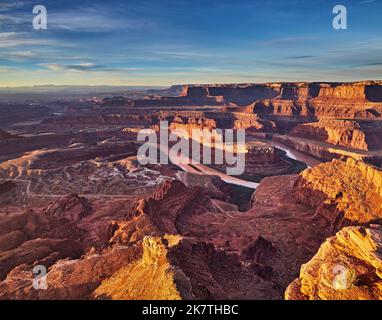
x=346, y=267
x=167, y=271
x=349, y=100
x=351, y=134
x=352, y=188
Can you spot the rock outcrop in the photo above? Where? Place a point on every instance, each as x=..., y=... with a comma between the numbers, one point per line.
x=72, y=208
x=36, y=238
x=131, y=282
x=174, y=268
x=346, y=267
x=69, y=279
x=163, y=213
x=352, y=188
x=350, y=134
x=349, y=195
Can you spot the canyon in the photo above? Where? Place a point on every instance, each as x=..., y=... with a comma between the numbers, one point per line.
x=303, y=222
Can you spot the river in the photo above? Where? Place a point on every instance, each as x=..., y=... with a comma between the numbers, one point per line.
x=202, y=169
x=290, y=152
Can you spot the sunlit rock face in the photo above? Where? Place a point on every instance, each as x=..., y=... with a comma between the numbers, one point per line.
x=352, y=187
x=177, y=268
x=361, y=135
x=349, y=100
x=346, y=267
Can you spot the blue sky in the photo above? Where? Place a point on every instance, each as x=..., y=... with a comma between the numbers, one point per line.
x=167, y=42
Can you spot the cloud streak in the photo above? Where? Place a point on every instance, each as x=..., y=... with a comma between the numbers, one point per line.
x=6, y=6
x=80, y=67
x=366, y=1
x=15, y=39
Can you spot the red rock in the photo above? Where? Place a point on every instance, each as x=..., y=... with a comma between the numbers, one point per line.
x=176, y=268
x=72, y=208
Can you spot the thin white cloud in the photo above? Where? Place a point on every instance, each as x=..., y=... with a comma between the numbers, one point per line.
x=4, y=69
x=14, y=39
x=93, y=20
x=288, y=40
x=52, y=66
x=8, y=19
x=5, y=6
x=183, y=54
x=22, y=54
x=77, y=67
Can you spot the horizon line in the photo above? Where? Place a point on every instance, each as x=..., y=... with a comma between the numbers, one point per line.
x=183, y=84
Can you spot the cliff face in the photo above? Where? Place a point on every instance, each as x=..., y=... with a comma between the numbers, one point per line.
x=359, y=99
x=352, y=188
x=356, y=91
x=182, y=268
x=346, y=267
x=350, y=100
x=351, y=134
x=244, y=94
x=129, y=283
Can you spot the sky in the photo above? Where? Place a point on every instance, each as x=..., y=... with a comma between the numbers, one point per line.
x=165, y=42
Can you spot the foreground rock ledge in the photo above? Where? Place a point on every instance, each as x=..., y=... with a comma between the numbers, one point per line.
x=346, y=267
